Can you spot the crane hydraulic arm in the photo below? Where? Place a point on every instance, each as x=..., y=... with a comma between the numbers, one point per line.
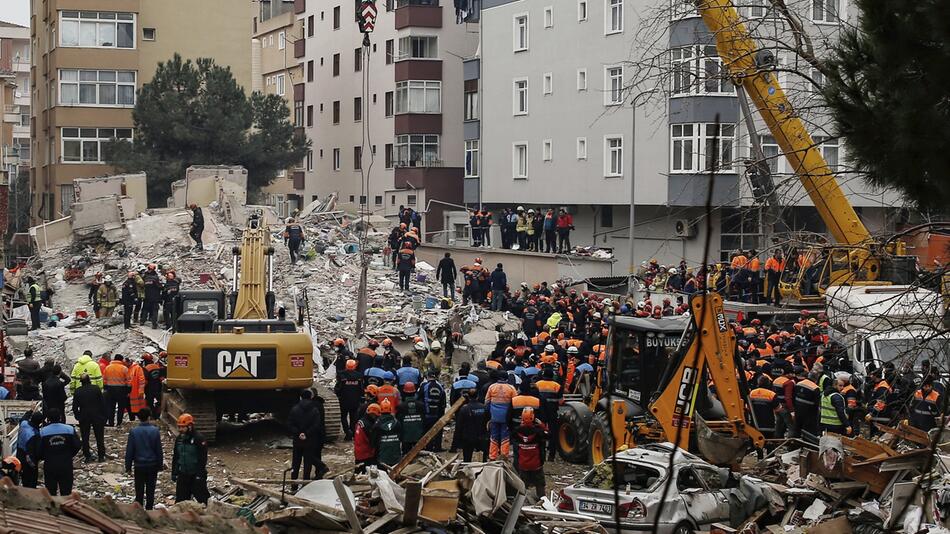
x=747, y=66
x=253, y=281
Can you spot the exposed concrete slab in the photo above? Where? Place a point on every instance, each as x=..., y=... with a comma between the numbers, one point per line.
x=131, y=188
x=102, y=212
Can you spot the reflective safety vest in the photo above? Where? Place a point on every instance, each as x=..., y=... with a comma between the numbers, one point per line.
x=881, y=390
x=764, y=404
x=850, y=397
x=778, y=386
x=35, y=293
x=829, y=416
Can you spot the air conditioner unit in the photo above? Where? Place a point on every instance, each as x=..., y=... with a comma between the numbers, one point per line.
x=684, y=228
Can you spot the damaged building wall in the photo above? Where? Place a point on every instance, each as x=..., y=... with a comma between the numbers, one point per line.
x=131, y=186
x=52, y=234
x=202, y=185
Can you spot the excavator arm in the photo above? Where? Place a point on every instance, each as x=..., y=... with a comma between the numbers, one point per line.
x=712, y=348
x=253, y=281
x=748, y=68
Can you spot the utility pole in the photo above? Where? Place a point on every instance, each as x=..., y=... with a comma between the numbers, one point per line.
x=634, y=103
x=366, y=18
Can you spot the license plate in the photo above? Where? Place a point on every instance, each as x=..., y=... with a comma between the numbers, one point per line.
x=595, y=507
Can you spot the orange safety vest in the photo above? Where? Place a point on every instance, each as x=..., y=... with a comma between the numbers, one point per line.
x=493, y=364
x=739, y=261
x=881, y=402
x=754, y=264
x=850, y=396
x=387, y=391
x=774, y=265
x=548, y=386
x=137, y=395
x=116, y=374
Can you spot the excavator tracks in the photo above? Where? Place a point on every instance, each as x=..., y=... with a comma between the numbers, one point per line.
x=201, y=406
x=331, y=407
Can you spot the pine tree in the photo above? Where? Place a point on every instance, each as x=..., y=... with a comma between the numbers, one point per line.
x=888, y=87
x=197, y=114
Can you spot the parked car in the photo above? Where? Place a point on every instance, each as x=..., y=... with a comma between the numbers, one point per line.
x=700, y=493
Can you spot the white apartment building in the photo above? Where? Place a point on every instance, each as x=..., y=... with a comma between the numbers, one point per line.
x=558, y=127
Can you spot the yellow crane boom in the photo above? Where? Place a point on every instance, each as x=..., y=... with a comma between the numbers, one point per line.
x=739, y=53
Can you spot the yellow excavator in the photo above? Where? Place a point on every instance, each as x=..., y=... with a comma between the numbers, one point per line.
x=250, y=362
x=856, y=258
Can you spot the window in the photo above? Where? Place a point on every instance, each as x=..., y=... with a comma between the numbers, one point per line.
x=471, y=106
x=581, y=10
x=388, y=151
x=417, y=150
x=418, y=47
x=581, y=148
x=825, y=11
x=97, y=29
x=336, y=64
x=309, y=116
x=378, y=200
x=614, y=14
x=519, y=161
x=699, y=70
x=547, y=150
x=336, y=112
x=67, y=196
x=336, y=18
x=336, y=159
x=521, y=32
x=471, y=158
x=581, y=79
x=758, y=9
x=310, y=71
x=357, y=158
x=418, y=97
x=84, y=145
x=310, y=160
x=681, y=9
x=358, y=59
x=389, y=51
x=388, y=103
x=148, y=34
x=607, y=216
x=357, y=109
x=549, y=17
x=694, y=147
x=613, y=84
x=298, y=112
x=818, y=80
x=740, y=229
x=410, y=200
x=281, y=40
x=613, y=155
x=548, y=83
x=310, y=26
x=772, y=153
x=96, y=87
x=521, y=97
x=280, y=84
x=829, y=149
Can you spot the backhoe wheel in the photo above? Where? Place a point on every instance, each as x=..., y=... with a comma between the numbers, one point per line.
x=601, y=439
x=572, y=437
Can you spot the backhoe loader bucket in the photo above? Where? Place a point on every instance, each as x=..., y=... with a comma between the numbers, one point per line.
x=719, y=448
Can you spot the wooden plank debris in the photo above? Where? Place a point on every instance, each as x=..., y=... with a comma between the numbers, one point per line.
x=425, y=439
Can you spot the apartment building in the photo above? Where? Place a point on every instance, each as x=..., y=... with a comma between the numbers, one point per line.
x=88, y=59
x=558, y=126
x=277, y=69
x=387, y=128
x=15, y=68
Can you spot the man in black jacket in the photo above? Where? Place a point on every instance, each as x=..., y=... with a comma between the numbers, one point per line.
x=197, y=226
x=293, y=237
x=54, y=390
x=472, y=415
x=447, y=273
x=306, y=424
x=349, y=389
x=89, y=410
x=129, y=298
x=169, y=292
x=153, y=295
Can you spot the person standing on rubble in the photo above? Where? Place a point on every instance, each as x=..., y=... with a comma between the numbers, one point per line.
x=433, y=398
x=386, y=434
x=129, y=299
x=499, y=284
x=807, y=396
x=55, y=446
x=394, y=239
x=529, y=438
x=925, y=407
x=473, y=416
x=85, y=364
x=305, y=425
x=29, y=427
x=833, y=409
x=197, y=226
x=391, y=356
x=34, y=301
x=410, y=415
x=89, y=408
x=155, y=374
x=116, y=379
x=28, y=377
x=54, y=390
x=405, y=264
x=190, y=462
x=108, y=298
x=433, y=360
x=153, y=295
x=137, y=386
x=93, y=296
x=293, y=238
x=144, y=451
x=364, y=439
x=498, y=399
x=169, y=292
x=447, y=273
x=349, y=391
x=407, y=373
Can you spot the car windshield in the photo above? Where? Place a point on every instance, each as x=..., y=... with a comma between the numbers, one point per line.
x=636, y=477
x=643, y=356
x=903, y=350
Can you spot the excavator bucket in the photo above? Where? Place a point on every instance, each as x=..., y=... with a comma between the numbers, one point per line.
x=719, y=448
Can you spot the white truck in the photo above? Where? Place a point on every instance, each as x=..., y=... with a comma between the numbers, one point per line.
x=889, y=324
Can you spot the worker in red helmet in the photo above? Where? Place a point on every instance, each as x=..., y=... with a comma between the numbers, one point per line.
x=528, y=443
x=349, y=391
x=342, y=354
x=190, y=462
x=364, y=440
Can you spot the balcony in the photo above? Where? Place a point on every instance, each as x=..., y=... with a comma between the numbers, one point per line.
x=422, y=163
x=300, y=47
x=418, y=69
x=418, y=123
x=300, y=6
x=418, y=14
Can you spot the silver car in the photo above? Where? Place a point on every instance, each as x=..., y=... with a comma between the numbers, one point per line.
x=697, y=497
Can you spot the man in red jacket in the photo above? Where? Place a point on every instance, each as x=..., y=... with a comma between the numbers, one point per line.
x=363, y=439
x=528, y=444
x=565, y=223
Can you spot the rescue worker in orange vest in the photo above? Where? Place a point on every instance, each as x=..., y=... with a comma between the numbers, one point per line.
x=852, y=405
x=116, y=386
x=878, y=409
x=519, y=403
x=549, y=392
x=388, y=391
x=773, y=273
x=765, y=406
x=573, y=360
x=924, y=408
x=137, y=388
x=805, y=399
x=755, y=266
x=498, y=401
x=784, y=388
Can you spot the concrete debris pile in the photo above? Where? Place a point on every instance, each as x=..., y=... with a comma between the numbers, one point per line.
x=894, y=482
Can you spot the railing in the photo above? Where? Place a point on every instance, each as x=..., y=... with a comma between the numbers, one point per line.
x=419, y=163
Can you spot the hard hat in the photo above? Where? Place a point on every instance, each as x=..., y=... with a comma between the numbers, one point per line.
x=373, y=409
x=520, y=208
x=572, y=350
x=169, y=274
x=193, y=205
x=524, y=285
x=350, y=365
x=387, y=342
x=148, y=357
x=549, y=348
x=372, y=343
x=162, y=354
x=388, y=375
x=607, y=302
x=641, y=305
x=185, y=419
x=409, y=387
x=419, y=346
x=108, y=278
x=478, y=261
x=140, y=267
x=672, y=270
x=385, y=406
x=14, y=461
x=531, y=210
x=527, y=415
x=372, y=389
x=338, y=342
x=436, y=346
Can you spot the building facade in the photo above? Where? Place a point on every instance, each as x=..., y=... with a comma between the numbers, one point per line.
x=88, y=59
x=386, y=120
x=636, y=110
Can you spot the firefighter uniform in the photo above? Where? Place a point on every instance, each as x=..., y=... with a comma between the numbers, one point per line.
x=924, y=409
x=764, y=405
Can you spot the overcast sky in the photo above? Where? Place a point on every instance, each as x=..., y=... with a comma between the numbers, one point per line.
x=15, y=11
